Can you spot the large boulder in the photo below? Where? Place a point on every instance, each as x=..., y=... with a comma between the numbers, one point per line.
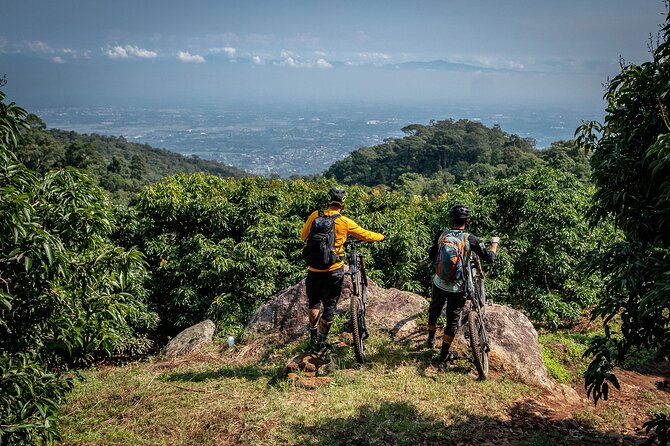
x=515, y=349
x=286, y=315
x=194, y=338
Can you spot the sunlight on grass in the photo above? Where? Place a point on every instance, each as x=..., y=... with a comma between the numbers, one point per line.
x=399, y=398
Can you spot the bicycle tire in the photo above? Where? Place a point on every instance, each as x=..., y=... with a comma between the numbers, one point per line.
x=477, y=339
x=357, y=318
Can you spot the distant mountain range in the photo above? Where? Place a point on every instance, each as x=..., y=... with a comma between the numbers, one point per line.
x=442, y=65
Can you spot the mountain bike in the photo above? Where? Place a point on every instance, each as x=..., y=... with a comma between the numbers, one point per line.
x=475, y=292
x=359, y=286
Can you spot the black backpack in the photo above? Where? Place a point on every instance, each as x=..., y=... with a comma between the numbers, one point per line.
x=319, y=250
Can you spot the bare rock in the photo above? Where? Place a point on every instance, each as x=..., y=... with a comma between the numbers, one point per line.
x=192, y=339
x=515, y=349
x=387, y=309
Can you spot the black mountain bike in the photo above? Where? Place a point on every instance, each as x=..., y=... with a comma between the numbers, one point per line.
x=479, y=340
x=359, y=282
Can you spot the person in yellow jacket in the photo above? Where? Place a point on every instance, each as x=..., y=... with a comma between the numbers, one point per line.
x=324, y=285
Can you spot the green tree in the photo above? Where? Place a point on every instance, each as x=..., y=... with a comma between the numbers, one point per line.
x=547, y=237
x=631, y=167
x=464, y=149
x=568, y=156
x=67, y=294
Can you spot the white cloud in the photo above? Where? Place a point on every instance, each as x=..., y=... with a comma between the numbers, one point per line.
x=323, y=63
x=187, y=57
x=257, y=60
x=375, y=57
x=293, y=60
x=40, y=47
x=289, y=61
x=498, y=63
x=125, y=52
x=58, y=59
x=229, y=51
x=286, y=54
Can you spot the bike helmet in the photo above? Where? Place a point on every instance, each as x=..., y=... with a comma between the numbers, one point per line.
x=459, y=212
x=337, y=195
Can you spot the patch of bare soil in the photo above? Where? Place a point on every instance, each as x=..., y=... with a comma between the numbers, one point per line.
x=617, y=421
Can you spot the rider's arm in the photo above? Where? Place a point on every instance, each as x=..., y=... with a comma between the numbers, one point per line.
x=355, y=230
x=478, y=247
x=307, y=226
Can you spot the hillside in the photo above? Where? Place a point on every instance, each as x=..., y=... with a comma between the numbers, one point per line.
x=119, y=166
x=229, y=396
x=453, y=151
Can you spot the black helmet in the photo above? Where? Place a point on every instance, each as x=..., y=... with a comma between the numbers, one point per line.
x=459, y=212
x=337, y=195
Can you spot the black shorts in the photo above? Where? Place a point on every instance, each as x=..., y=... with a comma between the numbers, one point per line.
x=324, y=288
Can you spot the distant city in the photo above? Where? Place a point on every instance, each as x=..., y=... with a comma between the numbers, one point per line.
x=288, y=141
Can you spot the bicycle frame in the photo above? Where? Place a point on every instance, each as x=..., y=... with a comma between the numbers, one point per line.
x=356, y=264
x=474, y=272
x=359, y=282
x=475, y=292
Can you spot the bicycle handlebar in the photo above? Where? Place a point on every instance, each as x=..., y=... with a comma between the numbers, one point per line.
x=353, y=242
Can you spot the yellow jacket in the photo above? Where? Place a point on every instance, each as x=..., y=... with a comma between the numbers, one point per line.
x=344, y=226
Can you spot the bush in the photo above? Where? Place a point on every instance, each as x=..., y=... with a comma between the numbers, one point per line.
x=67, y=295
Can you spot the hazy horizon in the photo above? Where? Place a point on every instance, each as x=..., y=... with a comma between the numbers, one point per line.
x=535, y=53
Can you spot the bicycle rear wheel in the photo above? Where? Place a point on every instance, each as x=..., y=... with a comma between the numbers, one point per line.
x=480, y=355
x=357, y=318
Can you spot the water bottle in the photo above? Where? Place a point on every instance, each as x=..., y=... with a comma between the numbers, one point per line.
x=231, y=341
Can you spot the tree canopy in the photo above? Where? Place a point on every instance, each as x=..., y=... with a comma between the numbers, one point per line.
x=122, y=168
x=631, y=167
x=446, y=152
x=68, y=294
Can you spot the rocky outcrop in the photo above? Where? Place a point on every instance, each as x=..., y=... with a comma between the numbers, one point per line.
x=194, y=338
x=387, y=309
x=515, y=349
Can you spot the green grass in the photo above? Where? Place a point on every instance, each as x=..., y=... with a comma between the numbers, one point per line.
x=400, y=398
x=239, y=396
x=562, y=354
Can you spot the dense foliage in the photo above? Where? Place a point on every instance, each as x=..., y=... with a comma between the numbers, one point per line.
x=67, y=294
x=198, y=245
x=546, y=241
x=219, y=248
x=120, y=167
x=631, y=167
x=430, y=158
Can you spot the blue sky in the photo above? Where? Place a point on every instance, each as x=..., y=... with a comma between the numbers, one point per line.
x=169, y=52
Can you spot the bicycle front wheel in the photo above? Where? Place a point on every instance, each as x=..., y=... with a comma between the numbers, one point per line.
x=478, y=343
x=357, y=319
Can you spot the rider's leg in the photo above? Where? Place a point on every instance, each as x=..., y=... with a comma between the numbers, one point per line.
x=313, y=288
x=314, y=316
x=455, y=302
x=331, y=292
x=434, y=310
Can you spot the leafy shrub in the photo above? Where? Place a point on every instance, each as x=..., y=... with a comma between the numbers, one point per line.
x=631, y=167
x=29, y=400
x=67, y=294
x=219, y=248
